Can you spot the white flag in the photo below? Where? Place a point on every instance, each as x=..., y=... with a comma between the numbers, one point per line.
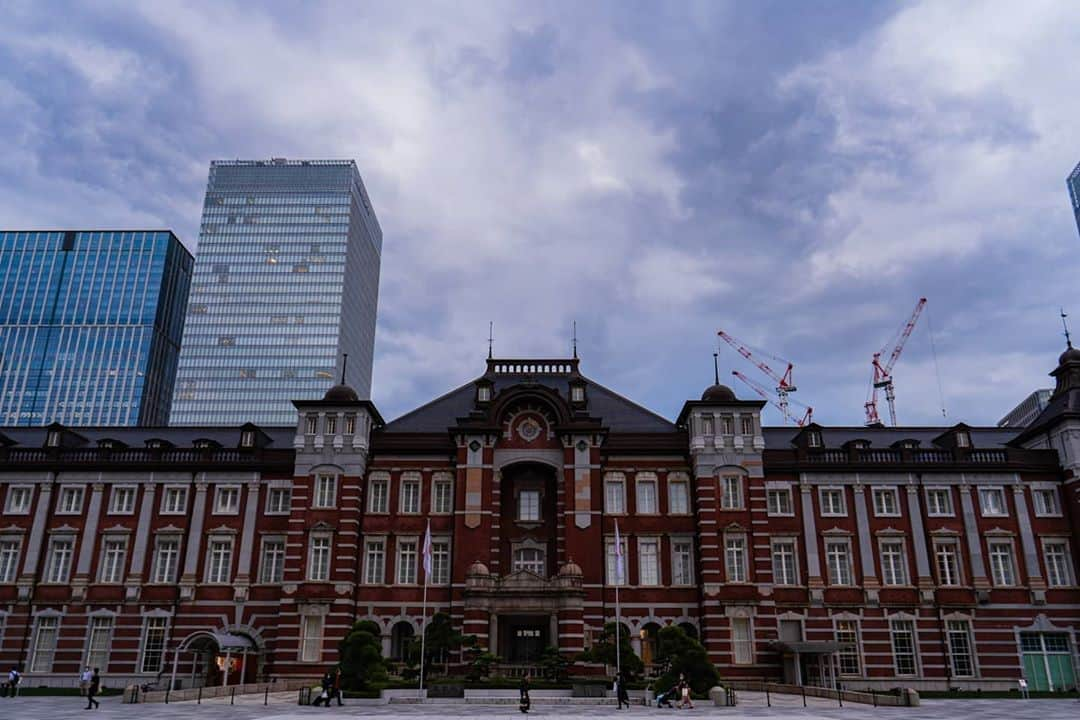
x=427, y=552
x=618, y=556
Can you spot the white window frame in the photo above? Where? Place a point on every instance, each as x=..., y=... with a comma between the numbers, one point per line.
x=116, y=493
x=524, y=510
x=846, y=543
x=793, y=543
x=1038, y=498
x=104, y=563
x=888, y=577
x=40, y=653
x=611, y=562
x=437, y=506
x=953, y=627
x=400, y=546
x=944, y=491
x=745, y=643
x=155, y=622
x=370, y=577
x=825, y=490
x=683, y=484
x=410, y=480
x=63, y=507
x=166, y=508
x=267, y=570
x=940, y=547
x=675, y=579
x=278, y=491
x=615, y=494
x=324, y=491
x=155, y=562
x=732, y=493
x=649, y=576
x=379, y=503
x=9, y=506
x=880, y=494
x=736, y=561
x=536, y=564
x=221, y=493
x=984, y=507
x=51, y=575
x=894, y=632
x=776, y=509
x=99, y=633
x=10, y=546
x=210, y=577
x=998, y=580
x=856, y=641
x=1067, y=578
x=440, y=569
x=312, y=630
x=646, y=480
x=316, y=571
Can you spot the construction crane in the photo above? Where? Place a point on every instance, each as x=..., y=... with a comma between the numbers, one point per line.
x=784, y=383
x=882, y=374
x=808, y=415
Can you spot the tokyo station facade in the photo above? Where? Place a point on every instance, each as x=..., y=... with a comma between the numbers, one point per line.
x=873, y=557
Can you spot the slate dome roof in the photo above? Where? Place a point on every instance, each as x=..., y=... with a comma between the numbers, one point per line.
x=718, y=393
x=341, y=393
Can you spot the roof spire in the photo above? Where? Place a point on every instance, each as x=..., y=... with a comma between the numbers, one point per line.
x=491, y=337
x=573, y=338
x=1068, y=340
x=344, y=364
x=716, y=368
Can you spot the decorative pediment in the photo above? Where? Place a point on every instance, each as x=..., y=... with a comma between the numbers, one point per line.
x=945, y=532
x=734, y=527
x=169, y=529
x=12, y=529
x=837, y=531
x=64, y=529
x=999, y=532
x=117, y=529
x=890, y=532
x=322, y=526
x=222, y=530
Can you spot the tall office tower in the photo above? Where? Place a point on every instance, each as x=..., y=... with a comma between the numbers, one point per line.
x=1073, y=183
x=90, y=326
x=286, y=282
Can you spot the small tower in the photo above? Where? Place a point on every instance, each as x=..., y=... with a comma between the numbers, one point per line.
x=335, y=431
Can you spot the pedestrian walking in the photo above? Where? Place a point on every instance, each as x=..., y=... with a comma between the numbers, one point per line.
x=620, y=691
x=84, y=680
x=93, y=689
x=684, y=693
x=327, y=685
x=524, y=702
x=11, y=688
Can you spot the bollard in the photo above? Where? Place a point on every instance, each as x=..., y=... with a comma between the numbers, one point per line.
x=167, y=695
x=873, y=693
x=199, y=701
x=266, y=697
x=768, y=700
x=803, y=695
x=840, y=696
x=232, y=696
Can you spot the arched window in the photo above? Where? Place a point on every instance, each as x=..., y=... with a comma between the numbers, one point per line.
x=531, y=559
x=400, y=636
x=650, y=636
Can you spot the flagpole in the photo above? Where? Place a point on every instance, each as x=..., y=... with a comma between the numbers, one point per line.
x=619, y=572
x=423, y=624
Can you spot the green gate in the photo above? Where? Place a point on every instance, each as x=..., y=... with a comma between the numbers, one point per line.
x=1048, y=662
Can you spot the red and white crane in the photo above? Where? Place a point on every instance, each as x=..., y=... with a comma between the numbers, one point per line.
x=784, y=383
x=808, y=414
x=882, y=377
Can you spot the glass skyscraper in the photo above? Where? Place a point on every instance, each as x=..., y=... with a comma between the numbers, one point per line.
x=1073, y=183
x=90, y=326
x=286, y=282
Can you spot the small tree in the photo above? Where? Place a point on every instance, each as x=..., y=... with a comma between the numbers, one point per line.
x=554, y=664
x=360, y=656
x=603, y=651
x=478, y=660
x=441, y=639
x=681, y=654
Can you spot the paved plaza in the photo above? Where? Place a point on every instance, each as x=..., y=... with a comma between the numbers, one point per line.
x=751, y=705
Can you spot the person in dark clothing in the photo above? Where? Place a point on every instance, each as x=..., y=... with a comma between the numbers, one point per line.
x=92, y=690
x=524, y=703
x=337, y=688
x=327, y=688
x=623, y=695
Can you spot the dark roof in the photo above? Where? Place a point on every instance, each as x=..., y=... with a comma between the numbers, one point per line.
x=883, y=437
x=612, y=409
x=341, y=393
x=718, y=393
x=278, y=437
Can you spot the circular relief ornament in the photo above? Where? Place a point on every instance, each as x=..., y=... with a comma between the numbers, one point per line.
x=529, y=429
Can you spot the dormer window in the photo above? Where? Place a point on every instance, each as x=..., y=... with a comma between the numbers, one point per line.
x=577, y=393
x=107, y=444
x=727, y=425
x=747, y=425
x=204, y=444
x=311, y=423
x=963, y=439
x=707, y=427
x=331, y=425
x=350, y=424
x=247, y=438
x=53, y=439
x=813, y=439
x=155, y=444
x=483, y=393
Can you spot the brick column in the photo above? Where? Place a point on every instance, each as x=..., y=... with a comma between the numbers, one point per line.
x=810, y=540
x=974, y=546
x=871, y=585
x=87, y=541
x=1027, y=543
x=918, y=542
x=709, y=563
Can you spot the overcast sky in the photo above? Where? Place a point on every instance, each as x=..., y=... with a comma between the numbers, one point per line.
x=795, y=173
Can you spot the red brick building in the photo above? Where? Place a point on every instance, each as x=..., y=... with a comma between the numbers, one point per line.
x=929, y=557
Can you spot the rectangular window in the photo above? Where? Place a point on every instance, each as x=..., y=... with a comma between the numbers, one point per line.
x=18, y=499
x=747, y=423
x=529, y=506
x=939, y=502
x=778, y=502
x=735, y=558
x=678, y=497
x=9, y=560
x=98, y=641
x=992, y=501
x=731, y=497
x=646, y=496
x=227, y=500
x=742, y=641
x=832, y=502
x=311, y=632
x=59, y=566
x=153, y=650
x=614, y=497
x=847, y=634
x=331, y=424
x=442, y=500
x=648, y=561
x=838, y=562
x=278, y=500
x=375, y=562
x=350, y=424
x=410, y=496
x=615, y=569
x=707, y=425
x=311, y=425
x=379, y=496
x=325, y=491
x=727, y=425
x=682, y=562
x=961, y=656
x=406, y=562
x=71, y=499
x=166, y=556
x=1046, y=502
x=893, y=565
x=440, y=563
x=886, y=502
x=272, y=568
x=174, y=500
x=947, y=556
x=219, y=565
x=44, y=644
x=783, y=562
x=319, y=559
x=113, y=554
x=903, y=645
x=1058, y=563
x=122, y=500
x=1002, y=566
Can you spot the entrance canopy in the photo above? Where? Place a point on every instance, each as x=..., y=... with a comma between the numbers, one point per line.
x=226, y=642
x=810, y=648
